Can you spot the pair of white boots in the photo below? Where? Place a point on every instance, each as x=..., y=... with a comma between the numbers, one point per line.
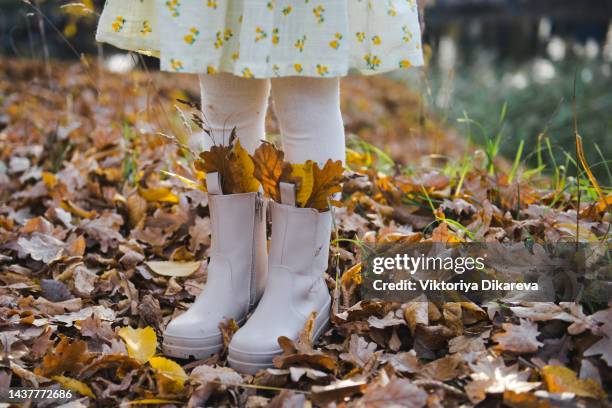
x=285, y=288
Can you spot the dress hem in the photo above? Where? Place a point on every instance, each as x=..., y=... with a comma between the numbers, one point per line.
x=265, y=71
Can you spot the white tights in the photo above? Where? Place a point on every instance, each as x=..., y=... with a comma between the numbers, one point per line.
x=308, y=111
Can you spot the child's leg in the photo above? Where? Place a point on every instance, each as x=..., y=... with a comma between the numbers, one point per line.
x=230, y=101
x=237, y=270
x=308, y=110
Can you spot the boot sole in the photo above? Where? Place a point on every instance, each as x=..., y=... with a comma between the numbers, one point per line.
x=186, y=348
x=251, y=363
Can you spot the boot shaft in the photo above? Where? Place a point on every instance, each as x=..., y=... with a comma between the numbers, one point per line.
x=239, y=236
x=300, y=238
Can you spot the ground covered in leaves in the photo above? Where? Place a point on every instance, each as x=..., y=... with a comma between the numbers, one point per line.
x=100, y=248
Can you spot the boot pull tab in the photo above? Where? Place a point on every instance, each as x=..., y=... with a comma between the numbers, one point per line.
x=213, y=183
x=288, y=193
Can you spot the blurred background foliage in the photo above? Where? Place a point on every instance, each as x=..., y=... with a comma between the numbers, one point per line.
x=488, y=59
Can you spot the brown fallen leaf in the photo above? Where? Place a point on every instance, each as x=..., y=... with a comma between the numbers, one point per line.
x=137, y=208
x=104, y=230
x=203, y=374
x=444, y=369
x=336, y=391
x=405, y=362
x=301, y=352
x=173, y=268
x=490, y=375
x=57, y=308
x=521, y=338
x=228, y=329
x=398, y=392
x=604, y=346
x=67, y=357
x=359, y=351
x=416, y=313
x=391, y=319
x=84, y=280
x=41, y=247
x=288, y=399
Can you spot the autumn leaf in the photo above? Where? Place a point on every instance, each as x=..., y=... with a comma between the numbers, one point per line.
x=416, y=313
x=399, y=392
x=73, y=208
x=216, y=160
x=173, y=268
x=520, y=338
x=444, y=369
x=524, y=400
x=67, y=356
x=305, y=176
x=326, y=183
x=137, y=209
x=301, y=351
x=153, y=401
x=604, y=346
x=241, y=169
x=42, y=247
x=83, y=253
x=352, y=276
x=560, y=379
x=140, y=343
x=268, y=162
x=203, y=374
x=336, y=391
x=360, y=351
x=74, y=385
x=170, y=376
x=158, y=194
x=491, y=375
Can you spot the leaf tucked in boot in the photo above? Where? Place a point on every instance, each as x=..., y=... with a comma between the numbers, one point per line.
x=268, y=168
x=314, y=185
x=234, y=165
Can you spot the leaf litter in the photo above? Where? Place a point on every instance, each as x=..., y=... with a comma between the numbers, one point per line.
x=103, y=240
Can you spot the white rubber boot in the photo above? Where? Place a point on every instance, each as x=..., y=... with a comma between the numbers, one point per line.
x=296, y=287
x=236, y=276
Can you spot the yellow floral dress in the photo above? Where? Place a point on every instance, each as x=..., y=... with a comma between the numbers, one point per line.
x=268, y=38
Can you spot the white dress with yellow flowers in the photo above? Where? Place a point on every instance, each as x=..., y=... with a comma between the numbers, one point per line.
x=268, y=38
